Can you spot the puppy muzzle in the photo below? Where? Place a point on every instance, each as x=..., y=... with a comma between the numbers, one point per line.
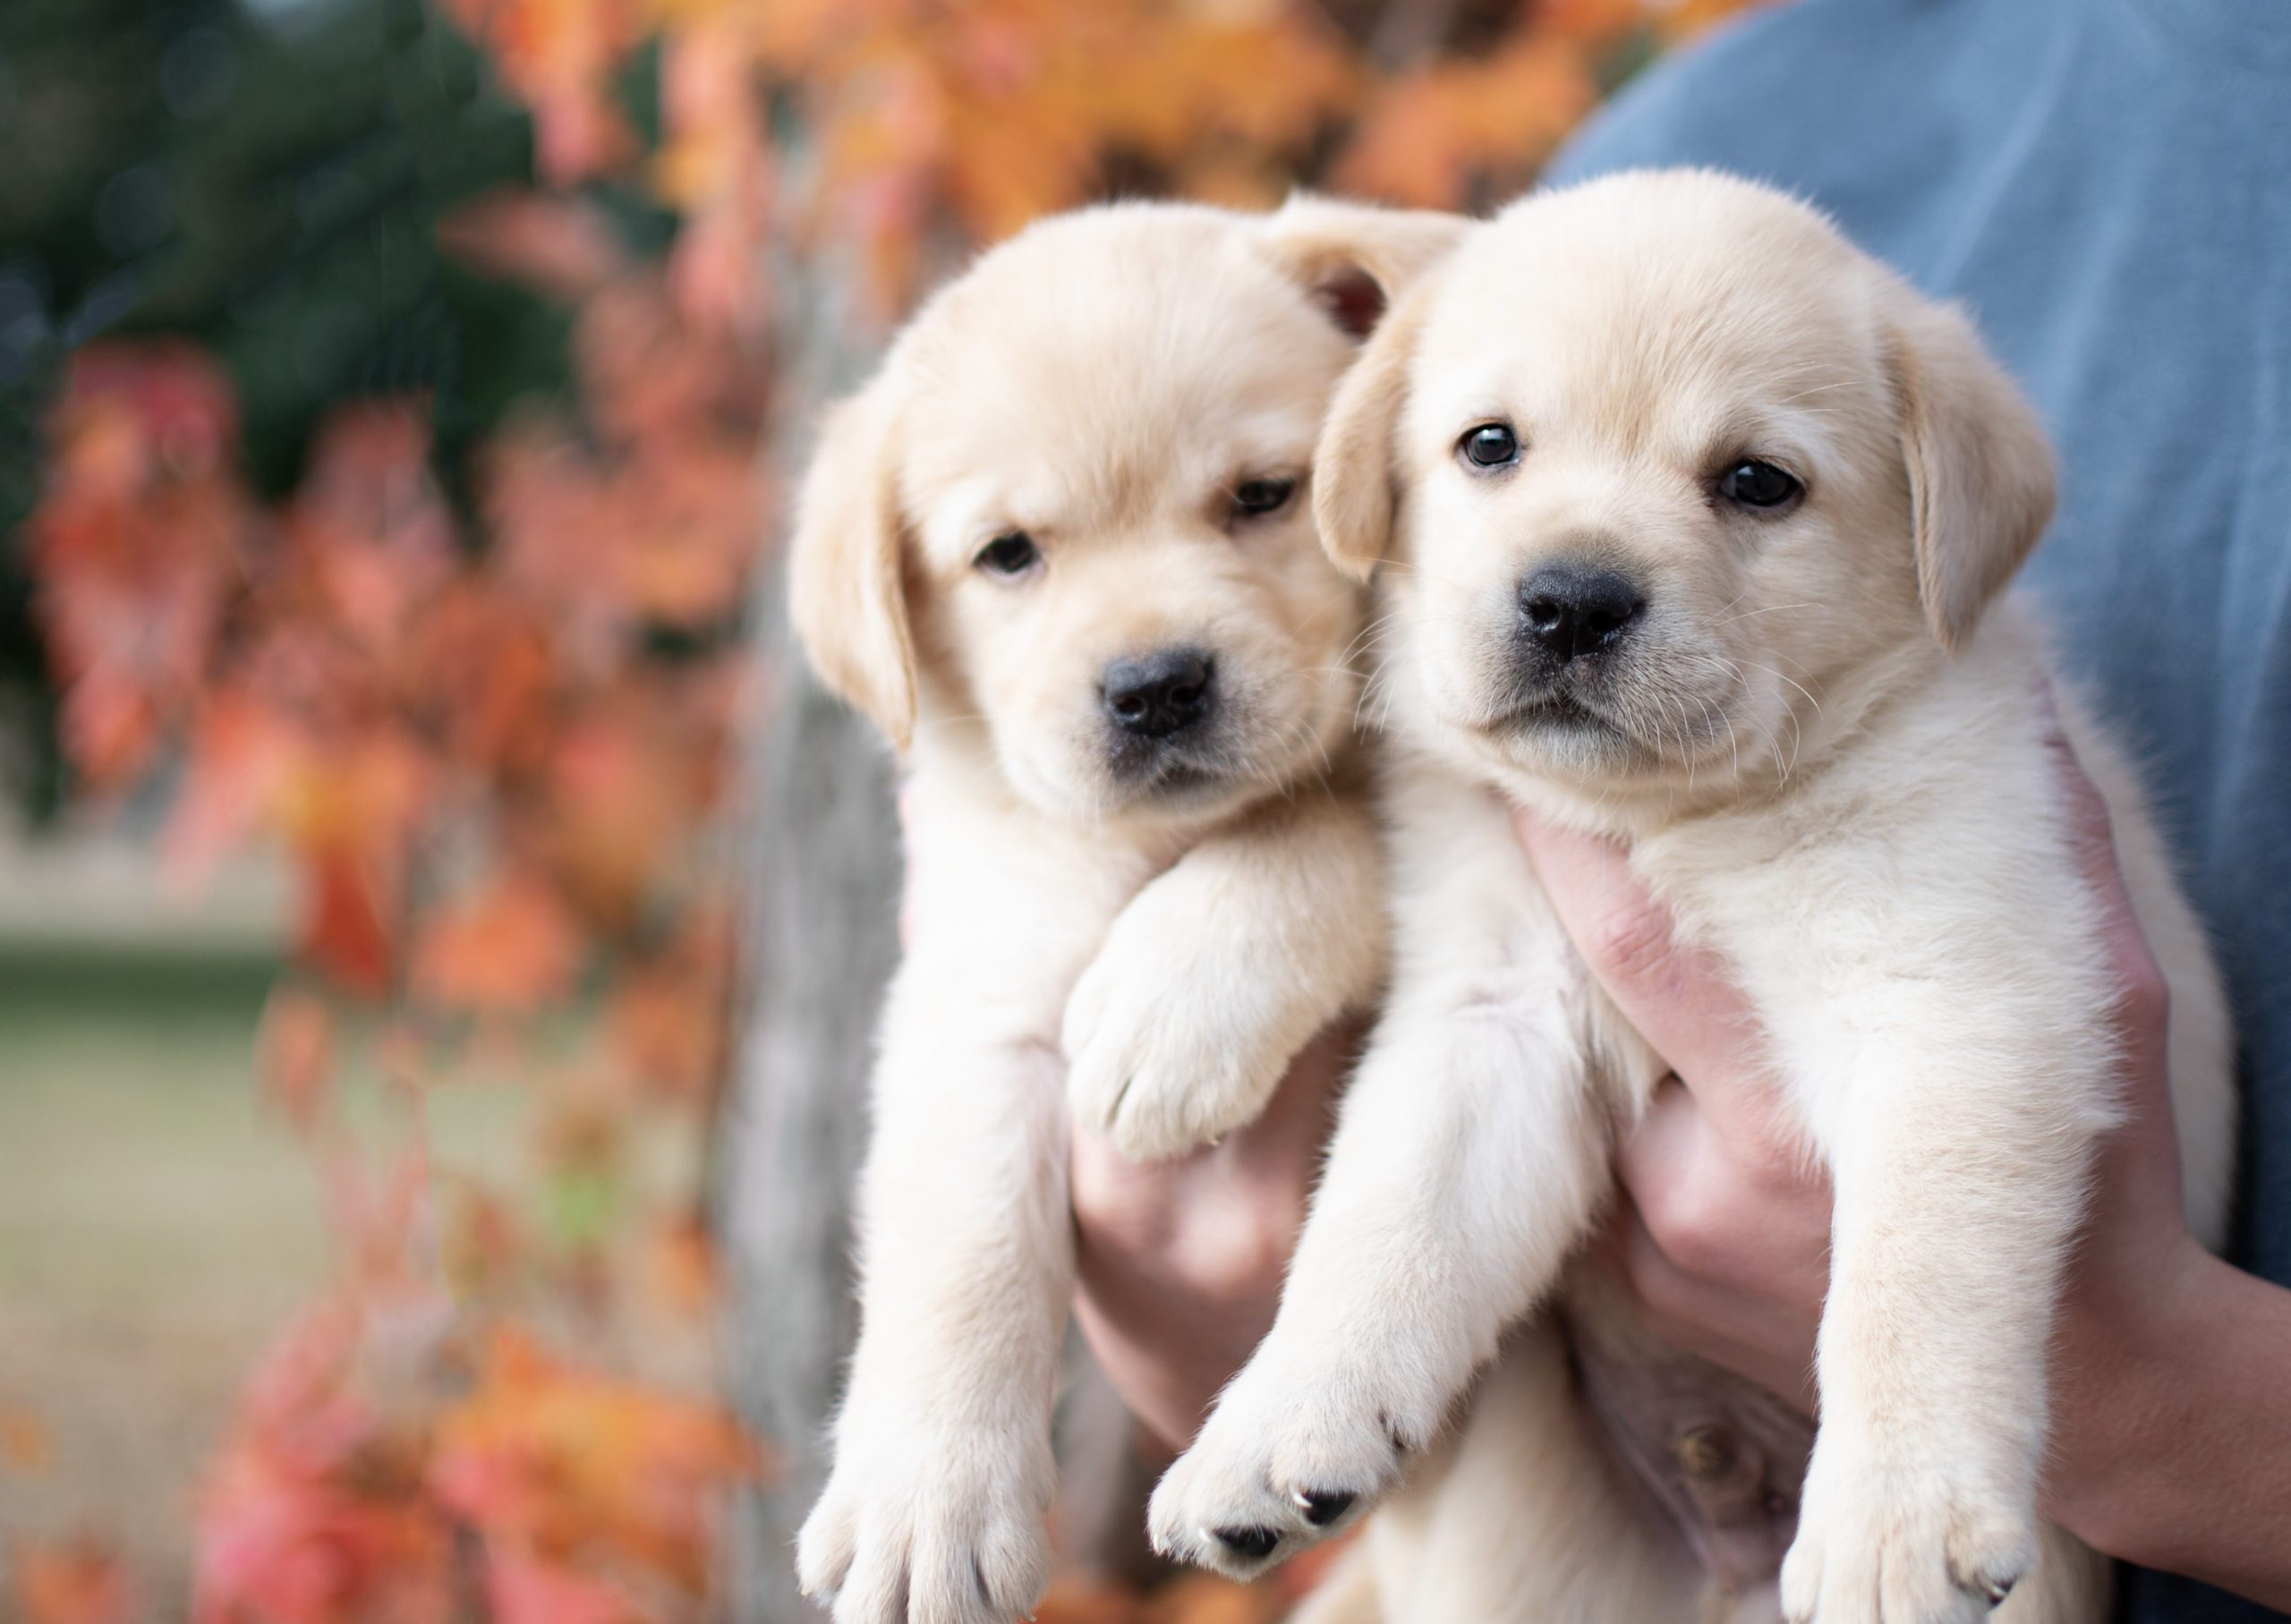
x=1165, y=720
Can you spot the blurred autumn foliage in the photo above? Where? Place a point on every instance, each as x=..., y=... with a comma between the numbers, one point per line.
x=494, y=766
x=492, y=728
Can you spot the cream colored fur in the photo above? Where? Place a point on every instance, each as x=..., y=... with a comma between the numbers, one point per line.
x=1825, y=748
x=1153, y=949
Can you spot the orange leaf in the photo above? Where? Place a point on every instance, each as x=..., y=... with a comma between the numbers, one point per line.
x=666, y=1023
x=294, y=1053
x=1429, y=138
x=24, y=1444
x=546, y=1461
x=81, y=1583
x=1071, y=1602
x=522, y=1590
x=1593, y=21
x=478, y=1245
x=1684, y=18
x=314, y=1510
x=368, y=523
x=561, y=246
x=625, y=790
x=480, y=669
x=343, y=934
x=136, y=545
x=1199, y=1598
x=241, y=757
x=683, y=1272
x=558, y=55
x=511, y=948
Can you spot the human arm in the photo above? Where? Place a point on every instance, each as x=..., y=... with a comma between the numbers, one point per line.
x=2171, y=1441
x=1180, y=1261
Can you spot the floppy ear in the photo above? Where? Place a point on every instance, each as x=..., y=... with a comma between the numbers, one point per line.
x=1980, y=470
x=1355, y=482
x=1356, y=259
x=845, y=593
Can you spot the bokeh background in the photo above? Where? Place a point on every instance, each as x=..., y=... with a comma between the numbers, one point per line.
x=421, y=1127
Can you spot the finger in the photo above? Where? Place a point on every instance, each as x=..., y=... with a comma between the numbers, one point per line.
x=1757, y=1230
x=1181, y=1262
x=1289, y=1138
x=1190, y=1211
x=2145, y=1155
x=1769, y=1344
x=2092, y=830
x=1665, y=1147
x=1678, y=998
x=2091, y=833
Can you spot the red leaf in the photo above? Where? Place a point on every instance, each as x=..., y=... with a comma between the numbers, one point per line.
x=241, y=758
x=136, y=545
x=315, y=1512
x=24, y=1444
x=561, y=246
x=551, y=1462
x=294, y=1053
x=343, y=935
x=511, y=948
x=522, y=1590
x=79, y=1583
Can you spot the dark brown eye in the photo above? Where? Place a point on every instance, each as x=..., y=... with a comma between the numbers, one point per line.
x=1008, y=555
x=1255, y=498
x=1755, y=484
x=1490, y=445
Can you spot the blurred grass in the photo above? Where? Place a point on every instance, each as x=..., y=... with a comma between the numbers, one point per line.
x=158, y=1228
x=158, y=1225
x=154, y=1231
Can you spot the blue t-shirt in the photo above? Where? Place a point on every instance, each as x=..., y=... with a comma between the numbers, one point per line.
x=2105, y=184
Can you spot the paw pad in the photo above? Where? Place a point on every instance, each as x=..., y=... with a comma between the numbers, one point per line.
x=1253, y=1544
x=1322, y=1506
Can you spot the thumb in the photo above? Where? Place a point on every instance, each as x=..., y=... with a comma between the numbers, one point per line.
x=1679, y=999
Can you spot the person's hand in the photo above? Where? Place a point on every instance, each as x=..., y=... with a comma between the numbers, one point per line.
x=1722, y=1229
x=1721, y=1222
x=1180, y=1261
x=2171, y=1430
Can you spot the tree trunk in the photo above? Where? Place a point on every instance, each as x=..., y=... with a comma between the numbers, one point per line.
x=821, y=858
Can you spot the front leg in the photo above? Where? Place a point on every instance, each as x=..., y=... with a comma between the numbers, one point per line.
x=943, y=1476
x=1469, y=1161
x=1959, y=1157
x=1467, y=1166
x=1221, y=970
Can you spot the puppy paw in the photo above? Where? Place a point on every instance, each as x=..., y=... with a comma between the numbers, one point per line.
x=1168, y=1046
x=949, y=1530
x=1882, y=1542
x=1294, y=1452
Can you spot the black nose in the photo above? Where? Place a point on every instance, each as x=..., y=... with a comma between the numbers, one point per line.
x=1578, y=608
x=1154, y=695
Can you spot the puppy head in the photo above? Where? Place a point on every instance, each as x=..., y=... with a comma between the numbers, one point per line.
x=1071, y=517
x=1656, y=461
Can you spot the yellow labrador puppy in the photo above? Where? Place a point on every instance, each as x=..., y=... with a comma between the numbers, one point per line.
x=1690, y=519
x=1061, y=550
